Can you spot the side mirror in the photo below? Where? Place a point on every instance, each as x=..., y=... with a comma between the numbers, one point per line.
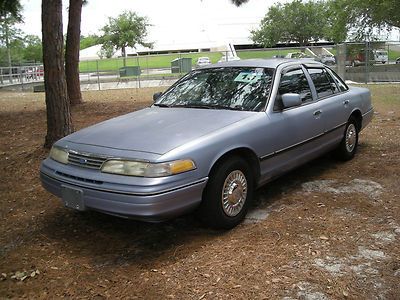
x=156, y=96
x=291, y=100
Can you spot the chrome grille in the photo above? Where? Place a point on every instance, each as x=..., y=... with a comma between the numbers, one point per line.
x=85, y=160
x=79, y=178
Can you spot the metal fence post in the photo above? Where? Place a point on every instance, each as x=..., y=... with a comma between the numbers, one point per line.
x=137, y=59
x=98, y=75
x=147, y=64
x=367, y=61
x=22, y=78
x=180, y=64
x=88, y=70
x=10, y=75
x=341, y=60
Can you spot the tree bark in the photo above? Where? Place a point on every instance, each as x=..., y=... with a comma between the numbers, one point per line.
x=72, y=52
x=8, y=51
x=123, y=52
x=59, y=123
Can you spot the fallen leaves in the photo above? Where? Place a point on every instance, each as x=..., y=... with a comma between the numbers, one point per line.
x=20, y=275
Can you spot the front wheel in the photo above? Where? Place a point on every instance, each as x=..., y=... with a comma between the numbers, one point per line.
x=349, y=143
x=228, y=194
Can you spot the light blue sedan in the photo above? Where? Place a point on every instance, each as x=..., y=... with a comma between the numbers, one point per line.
x=209, y=141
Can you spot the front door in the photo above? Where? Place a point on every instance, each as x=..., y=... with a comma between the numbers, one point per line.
x=293, y=131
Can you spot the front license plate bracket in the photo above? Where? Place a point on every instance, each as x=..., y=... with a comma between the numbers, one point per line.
x=73, y=198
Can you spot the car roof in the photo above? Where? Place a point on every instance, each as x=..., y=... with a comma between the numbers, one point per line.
x=263, y=63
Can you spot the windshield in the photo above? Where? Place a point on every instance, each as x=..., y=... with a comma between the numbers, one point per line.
x=238, y=88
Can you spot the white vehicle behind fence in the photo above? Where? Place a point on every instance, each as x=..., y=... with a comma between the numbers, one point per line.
x=381, y=56
x=203, y=61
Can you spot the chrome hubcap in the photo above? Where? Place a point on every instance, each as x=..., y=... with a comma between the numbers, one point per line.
x=234, y=193
x=351, y=137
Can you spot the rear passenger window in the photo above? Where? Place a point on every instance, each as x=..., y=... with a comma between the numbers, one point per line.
x=321, y=82
x=293, y=81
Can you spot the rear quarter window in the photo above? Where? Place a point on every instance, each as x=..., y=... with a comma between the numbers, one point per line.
x=339, y=82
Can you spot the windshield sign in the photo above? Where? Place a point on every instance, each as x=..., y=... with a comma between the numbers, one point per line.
x=221, y=88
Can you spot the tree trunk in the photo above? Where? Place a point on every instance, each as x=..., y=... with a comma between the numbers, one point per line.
x=123, y=52
x=59, y=122
x=72, y=52
x=8, y=52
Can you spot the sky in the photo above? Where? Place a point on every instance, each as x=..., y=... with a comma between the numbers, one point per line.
x=173, y=21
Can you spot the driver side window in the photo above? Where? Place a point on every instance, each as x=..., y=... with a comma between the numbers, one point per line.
x=293, y=81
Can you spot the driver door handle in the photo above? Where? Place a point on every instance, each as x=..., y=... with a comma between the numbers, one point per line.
x=317, y=113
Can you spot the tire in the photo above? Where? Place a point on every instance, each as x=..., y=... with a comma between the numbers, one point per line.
x=348, y=146
x=227, y=195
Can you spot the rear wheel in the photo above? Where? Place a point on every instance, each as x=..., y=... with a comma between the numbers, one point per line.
x=349, y=143
x=228, y=194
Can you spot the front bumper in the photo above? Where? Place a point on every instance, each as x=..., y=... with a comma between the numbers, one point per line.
x=151, y=206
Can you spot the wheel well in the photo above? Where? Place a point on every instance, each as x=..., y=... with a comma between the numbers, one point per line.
x=246, y=154
x=357, y=115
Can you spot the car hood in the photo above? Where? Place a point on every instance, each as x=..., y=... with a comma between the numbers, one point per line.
x=156, y=129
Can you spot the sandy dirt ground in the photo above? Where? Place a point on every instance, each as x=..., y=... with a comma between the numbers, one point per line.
x=328, y=230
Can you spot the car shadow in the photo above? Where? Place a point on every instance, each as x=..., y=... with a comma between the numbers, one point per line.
x=108, y=240
x=291, y=182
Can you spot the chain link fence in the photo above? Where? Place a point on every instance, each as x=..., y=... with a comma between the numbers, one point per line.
x=369, y=61
x=356, y=62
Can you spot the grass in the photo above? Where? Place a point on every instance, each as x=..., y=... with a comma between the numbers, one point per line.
x=385, y=96
x=145, y=62
x=164, y=60
x=393, y=54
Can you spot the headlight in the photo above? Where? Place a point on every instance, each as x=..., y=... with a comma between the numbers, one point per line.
x=147, y=169
x=59, y=154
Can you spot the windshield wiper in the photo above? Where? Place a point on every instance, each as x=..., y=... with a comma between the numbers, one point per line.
x=161, y=105
x=202, y=106
x=219, y=106
x=191, y=106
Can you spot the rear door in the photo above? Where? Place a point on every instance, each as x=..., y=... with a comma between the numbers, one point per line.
x=332, y=95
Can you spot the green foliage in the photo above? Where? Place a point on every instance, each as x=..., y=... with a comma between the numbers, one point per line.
x=295, y=21
x=10, y=8
x=361, y=17
x=337, y=25
x=25, y=48
x=127, y=30
x=9, y=36
x=265, y=53
x=32, y=48
x=8, y=31
x=106, y=51
x=89, y=41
